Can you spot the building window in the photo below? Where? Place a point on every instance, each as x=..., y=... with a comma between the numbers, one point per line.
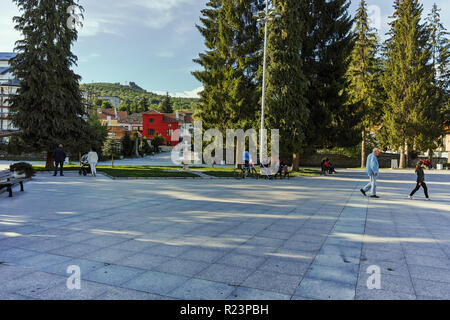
x=151, y=132
x=152, y=120
x=169, y=133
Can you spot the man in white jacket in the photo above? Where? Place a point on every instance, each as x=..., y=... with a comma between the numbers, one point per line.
x=93, y=159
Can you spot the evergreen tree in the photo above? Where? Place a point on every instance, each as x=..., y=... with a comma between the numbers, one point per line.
x=408, y=78
x=127, y=145
x=230, y=65
x=166, y=105
x=48, y=108
x=144, y=105
x=440, y=47
x=363, y=77
x=111, y=149
x=286, y=84
x=430, y=136
x=327, y=44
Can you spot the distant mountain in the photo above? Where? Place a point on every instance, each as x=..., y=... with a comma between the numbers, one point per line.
x=130, y=96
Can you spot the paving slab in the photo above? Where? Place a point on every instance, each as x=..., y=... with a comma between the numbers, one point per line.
x=212, y=238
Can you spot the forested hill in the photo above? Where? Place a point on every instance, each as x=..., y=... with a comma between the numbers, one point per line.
x=132, y=96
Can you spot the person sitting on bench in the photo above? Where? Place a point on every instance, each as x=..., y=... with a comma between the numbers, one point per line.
x=327, y=164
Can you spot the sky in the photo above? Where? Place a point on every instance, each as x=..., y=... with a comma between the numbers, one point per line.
x=153, y=42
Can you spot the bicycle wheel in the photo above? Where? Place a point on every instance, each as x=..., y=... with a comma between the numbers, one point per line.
x=254, y=174
x=238, y=174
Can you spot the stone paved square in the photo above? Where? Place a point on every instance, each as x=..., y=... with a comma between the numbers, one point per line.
x=305, y=238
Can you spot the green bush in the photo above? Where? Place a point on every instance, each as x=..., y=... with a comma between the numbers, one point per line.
x=23, y=167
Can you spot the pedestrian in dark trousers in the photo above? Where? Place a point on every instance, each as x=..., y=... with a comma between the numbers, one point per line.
x=60, y=156
x=420, y=181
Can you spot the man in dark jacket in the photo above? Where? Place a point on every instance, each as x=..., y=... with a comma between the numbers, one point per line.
x=60, y=156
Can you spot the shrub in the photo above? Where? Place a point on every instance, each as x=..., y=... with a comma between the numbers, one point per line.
x=23, y=167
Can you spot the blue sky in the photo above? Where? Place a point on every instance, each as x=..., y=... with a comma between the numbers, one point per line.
x=152, y=42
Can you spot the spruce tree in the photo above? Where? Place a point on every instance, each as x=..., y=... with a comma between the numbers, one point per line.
x=429, y=137
x=363, y=76
x=408, y=78
x=48, y=108
x=326, y=47
x=166, y=104
x=230, y=65
x=286, y=84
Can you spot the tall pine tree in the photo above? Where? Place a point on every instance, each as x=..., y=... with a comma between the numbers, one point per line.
x=408, y=78
x=437, y=115
x=166, y=104
x=286, y=84
x=230, y=64
x=363, y=76
x=326, y=47
x=48, y=108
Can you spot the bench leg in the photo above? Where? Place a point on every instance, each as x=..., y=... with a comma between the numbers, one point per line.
x=10, y=191
x=21, y=186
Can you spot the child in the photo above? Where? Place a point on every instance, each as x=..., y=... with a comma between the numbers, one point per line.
x=420, y=181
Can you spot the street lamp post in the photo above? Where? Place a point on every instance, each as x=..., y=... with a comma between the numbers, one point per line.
x=264, y=17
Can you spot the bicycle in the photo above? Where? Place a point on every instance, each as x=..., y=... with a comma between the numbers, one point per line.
x=245, y=172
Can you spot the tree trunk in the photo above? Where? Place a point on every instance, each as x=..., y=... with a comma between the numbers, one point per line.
x=363, y=149
x=50, y=162
x=296, y=162
x=402, y=158
x=406, y=155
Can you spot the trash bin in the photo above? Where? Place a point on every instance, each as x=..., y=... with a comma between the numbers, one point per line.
x=394, y=164
x=440, y=166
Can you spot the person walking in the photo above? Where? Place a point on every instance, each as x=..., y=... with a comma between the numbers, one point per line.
x=93, y=160
x=60, y=156
x=373, y=171
x=420, y=181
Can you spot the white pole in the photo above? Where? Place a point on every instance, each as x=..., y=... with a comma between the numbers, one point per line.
x=264, y=83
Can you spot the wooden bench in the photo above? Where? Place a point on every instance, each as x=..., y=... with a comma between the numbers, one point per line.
x=7, y=182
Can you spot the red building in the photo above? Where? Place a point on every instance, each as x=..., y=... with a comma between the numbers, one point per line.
x=164, y=124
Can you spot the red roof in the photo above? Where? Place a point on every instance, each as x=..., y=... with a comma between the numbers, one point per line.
x=103, y=114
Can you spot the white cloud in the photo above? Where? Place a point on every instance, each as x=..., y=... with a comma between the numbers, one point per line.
x=189, y=94
x=186, y=94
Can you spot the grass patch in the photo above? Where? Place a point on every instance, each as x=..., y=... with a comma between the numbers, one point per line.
x=133, y=172
x=228, y=172
x=170, y=172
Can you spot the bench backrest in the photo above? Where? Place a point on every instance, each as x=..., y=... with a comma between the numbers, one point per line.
x=5, y=175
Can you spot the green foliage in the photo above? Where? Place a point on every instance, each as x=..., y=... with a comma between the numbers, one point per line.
x=327, y=44
x=166, y=105
x=134, y=99
x=144, y=147
x=127, y=145
x=157, y=142
x=99, y=133
x=410, y=109
x=230, y=65
x=106, y=105
x=286, y=84
x=111, y=149
x=23, y=167
x=48, y=108
x=16, y=146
